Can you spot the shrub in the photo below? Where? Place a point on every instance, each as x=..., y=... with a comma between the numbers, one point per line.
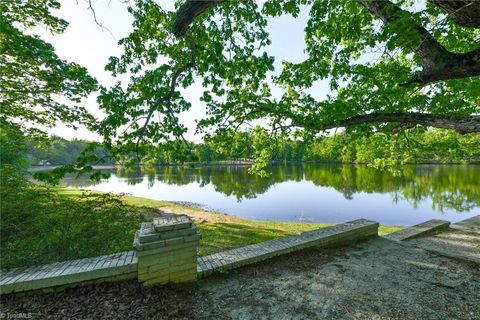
x=39, y=225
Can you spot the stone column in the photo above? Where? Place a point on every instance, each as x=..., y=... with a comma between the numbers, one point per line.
x=167, y=250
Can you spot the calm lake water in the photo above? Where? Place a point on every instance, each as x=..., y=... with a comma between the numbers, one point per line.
x=310, y=192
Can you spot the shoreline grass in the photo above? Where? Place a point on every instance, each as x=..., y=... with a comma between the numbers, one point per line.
x=222, y=231
x=55, y=224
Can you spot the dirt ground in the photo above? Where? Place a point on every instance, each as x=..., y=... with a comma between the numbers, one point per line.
x=377, y=279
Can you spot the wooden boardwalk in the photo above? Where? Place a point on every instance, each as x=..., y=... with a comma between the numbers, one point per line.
x=349, y=232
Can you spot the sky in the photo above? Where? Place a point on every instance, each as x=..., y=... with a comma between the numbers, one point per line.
x=89, y=45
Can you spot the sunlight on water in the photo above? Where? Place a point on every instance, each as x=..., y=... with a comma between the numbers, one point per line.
x=310, y=192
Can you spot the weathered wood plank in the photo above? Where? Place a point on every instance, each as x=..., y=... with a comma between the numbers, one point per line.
x=471, y=224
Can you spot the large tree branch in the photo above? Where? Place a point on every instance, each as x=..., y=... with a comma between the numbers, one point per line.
x=437, y=62
x=464, y=12
x=461, y=124
x=449, y=66
x=168, y=96
x=189, y=11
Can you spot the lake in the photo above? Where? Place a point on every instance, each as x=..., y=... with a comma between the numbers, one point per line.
x=309, y=192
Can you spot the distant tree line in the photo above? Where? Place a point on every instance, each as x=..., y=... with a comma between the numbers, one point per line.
x=432, y=146
x=59, y=151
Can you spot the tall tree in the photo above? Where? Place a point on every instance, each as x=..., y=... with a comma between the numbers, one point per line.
x=38, y=89
x=392, y=65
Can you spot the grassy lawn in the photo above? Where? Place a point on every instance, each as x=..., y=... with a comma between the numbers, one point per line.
x=49, y=225
x=220, y=231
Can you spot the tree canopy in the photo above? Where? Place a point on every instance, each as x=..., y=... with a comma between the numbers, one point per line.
x=391, y=65
x=37, y=88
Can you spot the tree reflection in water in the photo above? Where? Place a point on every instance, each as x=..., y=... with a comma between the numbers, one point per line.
x=454, y=187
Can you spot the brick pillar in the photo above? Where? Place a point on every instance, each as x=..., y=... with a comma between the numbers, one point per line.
x=167, y=250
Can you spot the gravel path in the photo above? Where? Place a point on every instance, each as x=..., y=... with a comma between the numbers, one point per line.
x=378, y=279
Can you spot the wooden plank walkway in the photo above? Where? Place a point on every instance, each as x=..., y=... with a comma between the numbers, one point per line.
x=349, y=232
x=418, y=230
x=68, y=272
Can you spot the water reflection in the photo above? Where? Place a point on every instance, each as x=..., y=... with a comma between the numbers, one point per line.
x=446, y=189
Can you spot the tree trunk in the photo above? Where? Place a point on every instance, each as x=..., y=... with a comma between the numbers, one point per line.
x=437, y=62
x=189, y=11
x=465, y=13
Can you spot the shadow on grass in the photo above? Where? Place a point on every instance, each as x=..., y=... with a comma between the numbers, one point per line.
x=220, y=236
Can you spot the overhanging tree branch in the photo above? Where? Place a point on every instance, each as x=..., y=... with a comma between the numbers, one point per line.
x=464, y=12
x=461, y=124
x=437, y=62
x=168, y=96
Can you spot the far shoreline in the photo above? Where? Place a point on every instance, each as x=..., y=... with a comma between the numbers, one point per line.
x=36, y=168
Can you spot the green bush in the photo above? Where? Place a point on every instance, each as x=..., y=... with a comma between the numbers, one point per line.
x=41, y=226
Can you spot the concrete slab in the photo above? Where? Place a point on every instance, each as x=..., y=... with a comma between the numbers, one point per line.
x=418, y=230
x=349, y=232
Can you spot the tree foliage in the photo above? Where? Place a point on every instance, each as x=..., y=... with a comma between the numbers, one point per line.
x=38, y=89
x=390, y=66
x=59, y=151
x=378, y=150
